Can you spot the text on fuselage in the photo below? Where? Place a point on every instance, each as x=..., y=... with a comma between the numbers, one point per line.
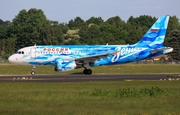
x=56, y=49
x=124, y=51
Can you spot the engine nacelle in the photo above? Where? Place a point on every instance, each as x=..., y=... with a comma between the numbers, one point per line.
x=65, y=65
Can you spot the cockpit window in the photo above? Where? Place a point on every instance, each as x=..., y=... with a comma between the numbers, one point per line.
x=20, y=52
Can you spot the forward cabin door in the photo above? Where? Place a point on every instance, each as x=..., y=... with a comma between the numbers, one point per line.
x=33, y=52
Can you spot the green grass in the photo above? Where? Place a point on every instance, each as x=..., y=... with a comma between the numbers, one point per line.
x=119, y=69
x=91, y=98
x=127, y=92
x=28, y=98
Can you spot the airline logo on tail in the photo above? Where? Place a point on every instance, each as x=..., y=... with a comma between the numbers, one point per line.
x=154, y=30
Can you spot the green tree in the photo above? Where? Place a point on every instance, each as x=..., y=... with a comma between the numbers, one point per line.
x=31, y=27
x=94, y=20
x=2, y=46
x=6, y=44
x=3, y=29
x=76, y=23
x=174, y=42
x=116, y=28
x=172, y=25
x=90, y=34
x=51, y=33
x=25, y=27
x=116, y=22
x=143, y=20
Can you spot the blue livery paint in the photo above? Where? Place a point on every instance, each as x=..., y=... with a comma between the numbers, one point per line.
x=69, y=57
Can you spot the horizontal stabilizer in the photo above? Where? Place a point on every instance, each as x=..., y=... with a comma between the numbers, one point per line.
x=161, y=49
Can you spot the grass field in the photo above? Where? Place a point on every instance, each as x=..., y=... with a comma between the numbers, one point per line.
x=91, y=98
x=28, y=98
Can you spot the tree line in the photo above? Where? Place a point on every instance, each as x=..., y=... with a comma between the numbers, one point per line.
x=32, y=27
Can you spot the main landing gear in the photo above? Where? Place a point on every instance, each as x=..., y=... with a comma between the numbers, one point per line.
x=33, y=72
x=87, y=71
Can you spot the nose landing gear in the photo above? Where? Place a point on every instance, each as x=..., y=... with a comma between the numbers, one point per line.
x=33, y=72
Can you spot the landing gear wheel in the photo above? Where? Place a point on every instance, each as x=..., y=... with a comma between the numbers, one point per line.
x=87, y=71
x=33, y=70
x=33, y=73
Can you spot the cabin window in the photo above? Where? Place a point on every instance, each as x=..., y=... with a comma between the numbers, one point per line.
x=20, y=52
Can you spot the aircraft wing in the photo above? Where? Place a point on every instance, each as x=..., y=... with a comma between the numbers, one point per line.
x=94, y=57
x=160, y=49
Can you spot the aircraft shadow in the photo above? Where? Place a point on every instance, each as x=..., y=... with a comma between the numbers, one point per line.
x=76, y=73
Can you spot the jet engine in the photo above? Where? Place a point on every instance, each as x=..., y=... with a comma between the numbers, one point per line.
x=65, y=65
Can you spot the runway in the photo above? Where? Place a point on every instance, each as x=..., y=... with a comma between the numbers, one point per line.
x=81, y=77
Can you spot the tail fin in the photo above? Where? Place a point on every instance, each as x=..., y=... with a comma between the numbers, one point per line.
x=155, y=36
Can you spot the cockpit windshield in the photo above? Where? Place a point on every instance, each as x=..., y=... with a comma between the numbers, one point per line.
x=20, y=52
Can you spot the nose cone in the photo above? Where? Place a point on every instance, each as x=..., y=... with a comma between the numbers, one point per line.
x=11, y=59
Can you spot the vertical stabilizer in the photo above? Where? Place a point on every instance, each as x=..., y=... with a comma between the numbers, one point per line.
x=155, y=36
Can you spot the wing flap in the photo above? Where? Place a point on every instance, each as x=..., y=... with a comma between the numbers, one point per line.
x=94, y=57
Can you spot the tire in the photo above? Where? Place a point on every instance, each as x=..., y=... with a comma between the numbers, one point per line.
x=87, y=71
x=33, y=73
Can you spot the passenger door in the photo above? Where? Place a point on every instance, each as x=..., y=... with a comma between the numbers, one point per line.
x=33, y=52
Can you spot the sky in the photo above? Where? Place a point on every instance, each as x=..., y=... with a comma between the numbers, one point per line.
x=65, y=10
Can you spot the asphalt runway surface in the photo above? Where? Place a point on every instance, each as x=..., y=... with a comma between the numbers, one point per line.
x=81, y=77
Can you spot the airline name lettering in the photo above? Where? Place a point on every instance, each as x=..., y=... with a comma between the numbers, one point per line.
x=56, y=49
x=122, y=52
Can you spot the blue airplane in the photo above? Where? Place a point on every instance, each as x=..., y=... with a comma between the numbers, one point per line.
x=70, y=57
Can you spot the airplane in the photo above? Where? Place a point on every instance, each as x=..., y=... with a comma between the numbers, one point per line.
x=70, y=57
